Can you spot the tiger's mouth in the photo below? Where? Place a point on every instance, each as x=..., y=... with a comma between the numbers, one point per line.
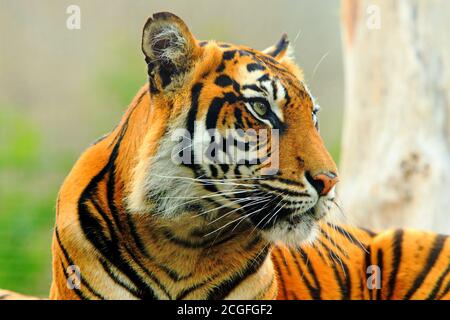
x=293, y=228
x=288, y=224
x=271, y=216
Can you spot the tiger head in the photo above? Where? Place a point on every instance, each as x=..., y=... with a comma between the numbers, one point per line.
x=264, y=164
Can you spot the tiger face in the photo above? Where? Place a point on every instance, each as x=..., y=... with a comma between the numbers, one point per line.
x=240, y=141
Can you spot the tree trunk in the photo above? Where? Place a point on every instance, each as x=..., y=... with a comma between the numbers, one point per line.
x=395, y=165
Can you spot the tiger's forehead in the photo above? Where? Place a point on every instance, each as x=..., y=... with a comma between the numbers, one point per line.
x=235, y=56
x=256, y=73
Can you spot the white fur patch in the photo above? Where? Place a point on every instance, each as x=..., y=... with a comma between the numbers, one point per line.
x=174, y=50
x=285, y=233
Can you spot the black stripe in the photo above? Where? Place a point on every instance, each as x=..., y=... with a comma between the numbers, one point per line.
x=228, y=55
x=345, y=233
x=397, y=243
x=192, y=115
x=110, y=192
x=184, y=293
x=214, y=172
x=114, y=239
x=283, y=258
x=110, y=168
x=169, y=272
x=431, y=260
x=280, y=278
x=71, y=263
x=221, y=67
x=190, y=124
x=78, y=292
x=286, y=181
x=93, y=229
x=370, y=233
x=238, y=118
x=136, y=238
x=438, y=284
x=224, y=167
x=117, y=280
x=274, y=91
x=380, y=264
x=314, y=290
x=446, y=291
x=253, y=243
x=253, y=87
x=368, y=262
x=294, y=295
x=223, y=289
x=361, y=288
x=216, y=106
x=333, y=242
x=263, y=78
x=280, y=46
x=254, y=67
x=149, y=274
x=104, y=216
x=285, y=191
x=195, y=245
x=318, y=250
x=344, y=284
x=223, y=81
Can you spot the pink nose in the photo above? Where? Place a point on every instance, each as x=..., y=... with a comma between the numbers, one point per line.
x=324, y=182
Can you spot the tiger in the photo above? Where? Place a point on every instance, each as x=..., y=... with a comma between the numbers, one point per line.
x=144, y=214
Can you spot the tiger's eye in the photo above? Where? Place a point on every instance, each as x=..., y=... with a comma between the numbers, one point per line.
x=260, y=108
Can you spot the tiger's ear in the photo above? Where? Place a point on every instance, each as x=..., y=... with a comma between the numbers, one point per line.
x=283, y=53
x=281, y=50
x=170, y=51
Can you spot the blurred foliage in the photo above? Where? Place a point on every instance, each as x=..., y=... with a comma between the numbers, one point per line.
x=119, y=79
x=20, y=141
x=26, y=206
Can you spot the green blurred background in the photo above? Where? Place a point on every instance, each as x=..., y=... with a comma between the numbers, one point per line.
x=60, y=89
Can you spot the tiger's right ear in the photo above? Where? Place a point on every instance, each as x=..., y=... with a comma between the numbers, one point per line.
x=280, y=50
x=170, y=51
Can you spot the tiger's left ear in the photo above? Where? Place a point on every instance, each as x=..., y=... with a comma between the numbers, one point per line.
x=170, y=50
x=281, y=50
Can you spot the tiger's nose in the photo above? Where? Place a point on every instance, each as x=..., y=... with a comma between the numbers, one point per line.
x=323, y=182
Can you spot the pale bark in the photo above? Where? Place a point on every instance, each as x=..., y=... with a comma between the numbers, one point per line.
x=395, y=165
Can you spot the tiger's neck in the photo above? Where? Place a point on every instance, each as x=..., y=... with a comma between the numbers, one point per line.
x=141, y=257
x=123, y=255
x=194, y=262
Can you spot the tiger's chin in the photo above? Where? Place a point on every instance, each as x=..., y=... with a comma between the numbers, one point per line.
x=294, y=228
x=293, y=232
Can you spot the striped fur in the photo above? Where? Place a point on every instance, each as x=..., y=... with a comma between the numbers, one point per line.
x=335, y=266
x=412, y=265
